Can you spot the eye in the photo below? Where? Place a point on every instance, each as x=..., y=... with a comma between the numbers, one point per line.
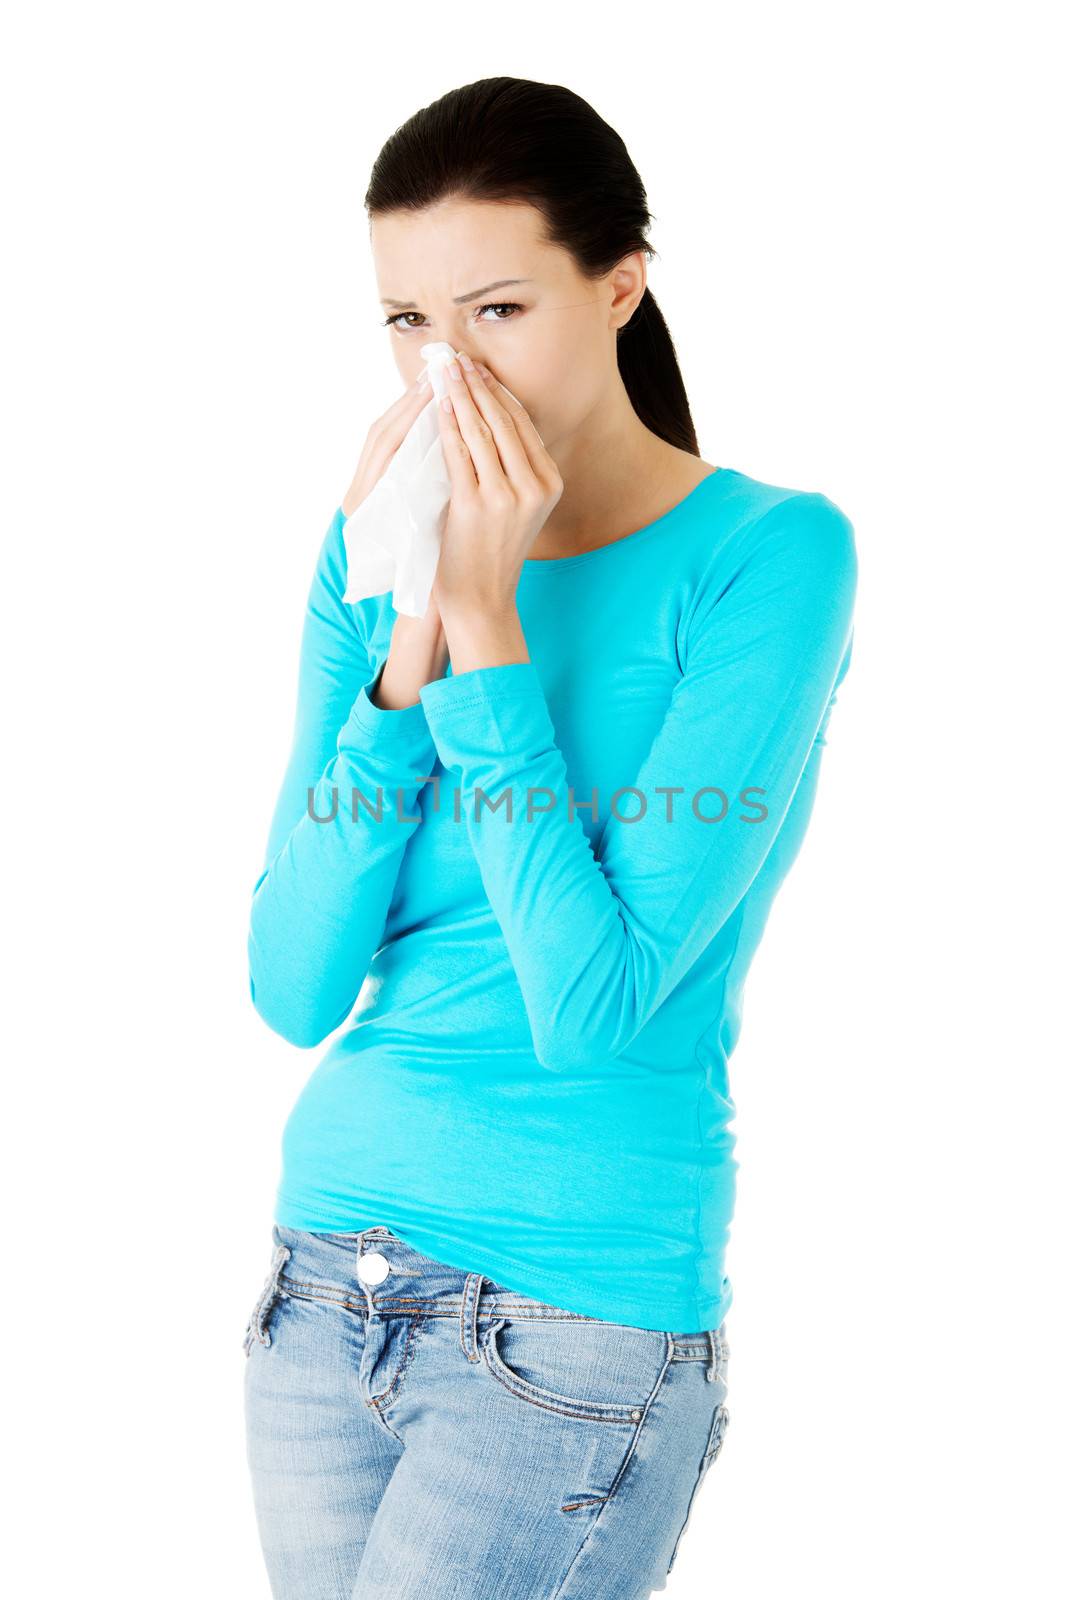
x=502, y=305
x=394, y=320
x=404, y=327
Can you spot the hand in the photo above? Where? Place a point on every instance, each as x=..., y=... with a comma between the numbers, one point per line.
x=504, y=487
x=418, y=651
x=384, y=438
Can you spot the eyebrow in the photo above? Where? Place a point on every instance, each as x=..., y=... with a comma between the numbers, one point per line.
x=459, y=299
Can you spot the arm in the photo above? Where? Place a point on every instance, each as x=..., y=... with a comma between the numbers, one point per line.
x=600, y=939
x=320, y=904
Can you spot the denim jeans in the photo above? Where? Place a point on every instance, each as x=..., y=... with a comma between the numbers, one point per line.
x=415, y=1430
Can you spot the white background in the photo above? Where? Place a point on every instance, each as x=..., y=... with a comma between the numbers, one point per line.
x=855, y=213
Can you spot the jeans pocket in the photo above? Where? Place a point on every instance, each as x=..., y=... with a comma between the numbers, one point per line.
x=720, y=1419
x=716, y=1437
x=586, y=1369
x=258, y=1330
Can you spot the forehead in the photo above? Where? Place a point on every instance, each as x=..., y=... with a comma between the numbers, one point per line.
x=457, y=246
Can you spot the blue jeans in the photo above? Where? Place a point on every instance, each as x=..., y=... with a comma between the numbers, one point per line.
x=415, y=1430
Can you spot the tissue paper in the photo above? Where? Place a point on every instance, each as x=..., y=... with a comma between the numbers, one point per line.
x=393, y=538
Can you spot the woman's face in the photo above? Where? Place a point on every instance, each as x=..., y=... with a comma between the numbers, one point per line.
x=550, y=337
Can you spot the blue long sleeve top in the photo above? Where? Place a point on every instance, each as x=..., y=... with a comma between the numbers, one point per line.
x=534, y=896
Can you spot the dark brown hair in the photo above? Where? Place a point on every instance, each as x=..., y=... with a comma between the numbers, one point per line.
x=513, y=139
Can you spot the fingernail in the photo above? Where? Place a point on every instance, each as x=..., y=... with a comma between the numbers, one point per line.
x=466, y=361
x=485, y=371
x=453, y=370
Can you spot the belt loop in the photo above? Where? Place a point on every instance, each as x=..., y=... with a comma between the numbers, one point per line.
x=368, y=1293
x=469, y=1315
x=712, y=1368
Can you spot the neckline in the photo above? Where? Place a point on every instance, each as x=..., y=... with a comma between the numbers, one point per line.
x=557, y=563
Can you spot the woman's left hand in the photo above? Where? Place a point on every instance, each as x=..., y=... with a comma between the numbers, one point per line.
x=504, y=486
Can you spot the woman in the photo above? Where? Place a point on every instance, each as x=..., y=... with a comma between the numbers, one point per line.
x=490, y=1354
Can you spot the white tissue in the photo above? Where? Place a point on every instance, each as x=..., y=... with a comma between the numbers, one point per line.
x=393, y=538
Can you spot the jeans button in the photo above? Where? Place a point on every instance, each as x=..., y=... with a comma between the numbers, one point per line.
x=372, y=1267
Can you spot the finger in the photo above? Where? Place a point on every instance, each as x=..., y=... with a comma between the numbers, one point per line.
x=541, y=462
x=508, y=441
x=476, y=432
x=458, y=461
x=408, y=404
x=388, y=432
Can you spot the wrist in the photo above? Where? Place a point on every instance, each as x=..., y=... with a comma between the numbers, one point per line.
x=483, y=638
x=418, y=654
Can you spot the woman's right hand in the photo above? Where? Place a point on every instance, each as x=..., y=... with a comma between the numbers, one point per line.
x=418, y=651
x=384, y=438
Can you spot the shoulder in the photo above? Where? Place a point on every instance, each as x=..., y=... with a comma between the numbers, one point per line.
x=804, y=521
x=783, y=565
x=772, y=536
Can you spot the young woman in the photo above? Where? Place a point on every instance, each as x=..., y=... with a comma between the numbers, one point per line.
x=490, y=1357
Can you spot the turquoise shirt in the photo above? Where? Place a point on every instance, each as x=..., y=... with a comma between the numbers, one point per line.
x=533, y=1081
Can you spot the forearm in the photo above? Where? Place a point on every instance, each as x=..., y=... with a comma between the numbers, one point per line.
x=418, y=654
x=319, y=909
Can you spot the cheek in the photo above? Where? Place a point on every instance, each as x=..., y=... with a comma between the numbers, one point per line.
x=549, y=375
x=564, y=410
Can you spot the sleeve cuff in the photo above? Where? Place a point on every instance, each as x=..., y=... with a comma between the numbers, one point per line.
x=488, y=711
x=480, y=685
x=404, y=729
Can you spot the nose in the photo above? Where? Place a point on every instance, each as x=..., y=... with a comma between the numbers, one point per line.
x=462, y=339
x=455, y=343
